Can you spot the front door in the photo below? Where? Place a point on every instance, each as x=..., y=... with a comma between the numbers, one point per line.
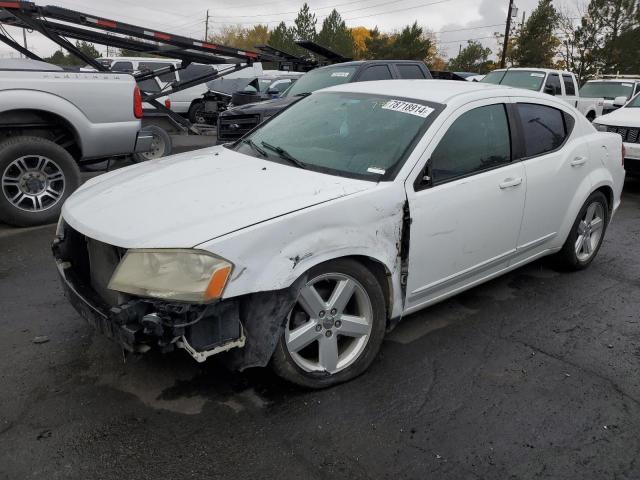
x=466, y=218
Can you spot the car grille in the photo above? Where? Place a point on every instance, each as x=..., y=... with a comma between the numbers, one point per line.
x=628, y=134
x=232, y=127
x=92, y=265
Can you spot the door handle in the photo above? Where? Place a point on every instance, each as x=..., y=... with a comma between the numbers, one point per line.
x=578, y=161
x=510, y=183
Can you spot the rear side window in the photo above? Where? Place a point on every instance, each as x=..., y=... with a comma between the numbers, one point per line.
x=569, y=86
x=122, y=67
x=376, y=72
x=410, y=71
x=544, y=128
x=554, y=81
x=478, y=140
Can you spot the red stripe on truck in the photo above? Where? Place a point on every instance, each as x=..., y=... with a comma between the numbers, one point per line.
x=106, y=23
x=9, y=4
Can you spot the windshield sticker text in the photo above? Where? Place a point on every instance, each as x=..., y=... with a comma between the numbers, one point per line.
x=408, y=107
x=539, y=75
x=376, y=170
x=340, y=74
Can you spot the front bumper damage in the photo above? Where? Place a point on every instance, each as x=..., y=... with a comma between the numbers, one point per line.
x=244, y=329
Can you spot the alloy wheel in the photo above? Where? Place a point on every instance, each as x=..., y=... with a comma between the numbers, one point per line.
x=330, y=325
x=590, y=230
x=33, y=183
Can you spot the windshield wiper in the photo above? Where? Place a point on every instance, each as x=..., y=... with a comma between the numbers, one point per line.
x=285, y=155
x=253, y=145
x=303, y=94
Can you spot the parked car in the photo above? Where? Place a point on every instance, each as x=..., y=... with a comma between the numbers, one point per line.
x=559, y=83
x=626, y=122
x=235, y=122
x=301, y=244
x=615, y=91
x=185, y=102
x=52, y=123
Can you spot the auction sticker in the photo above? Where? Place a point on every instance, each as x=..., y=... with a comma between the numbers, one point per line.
x=538, y=75
x=340, y=74
x=408, y=107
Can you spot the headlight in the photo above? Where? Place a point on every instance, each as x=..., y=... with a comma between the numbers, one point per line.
x=181, y=275
x=600, y=128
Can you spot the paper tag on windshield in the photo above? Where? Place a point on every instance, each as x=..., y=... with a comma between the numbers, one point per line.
x=376, y=170
x=408, y=107
x=630, y=85
x=539, y=75
x=340, y=74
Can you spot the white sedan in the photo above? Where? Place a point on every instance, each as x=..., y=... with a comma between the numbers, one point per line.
x=626, y=122
x=301, y=244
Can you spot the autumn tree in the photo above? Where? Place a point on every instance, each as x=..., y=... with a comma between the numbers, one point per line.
x=472, y=58
x=242, y=37
x=360, y=36
x=537, y=44
x=335, y=35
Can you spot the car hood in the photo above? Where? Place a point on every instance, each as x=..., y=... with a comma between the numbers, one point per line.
x=187, y=199
x=623, y=117
x=267, y=108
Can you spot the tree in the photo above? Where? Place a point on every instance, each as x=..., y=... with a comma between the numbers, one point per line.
x=70, y=60
x=579, y=47
x=241, y=37
x=336, y=36
x=472, y=58
x=283, y=38
x=537, y=44
x=412, y=44
x=613, y=20
x=360, y=36
x=305, y=24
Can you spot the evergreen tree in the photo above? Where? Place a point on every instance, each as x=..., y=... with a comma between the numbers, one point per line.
x=70, y=60
x=335, y=35
x=283, y=38
x=305, y=24
x=537, y=44
x=378, y=45
x=472, y=58
x=411, y=44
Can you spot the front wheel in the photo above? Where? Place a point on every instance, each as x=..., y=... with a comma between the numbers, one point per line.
x=336, y=327
x=587, y=234
x=37, y=175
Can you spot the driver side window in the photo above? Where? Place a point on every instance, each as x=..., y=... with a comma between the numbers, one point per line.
x=478, y=140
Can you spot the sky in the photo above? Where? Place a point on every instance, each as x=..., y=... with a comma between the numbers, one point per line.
x=454, y=21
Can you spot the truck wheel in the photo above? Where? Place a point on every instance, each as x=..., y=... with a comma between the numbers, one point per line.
x=336, y=327
x=160, y=145
x=37, y=176
x=196, y=113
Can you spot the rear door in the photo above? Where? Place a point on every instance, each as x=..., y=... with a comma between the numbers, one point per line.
x=465, y=221
x=556, y=163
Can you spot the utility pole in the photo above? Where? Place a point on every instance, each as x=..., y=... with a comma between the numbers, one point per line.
x=507, y=30
x=206, y=27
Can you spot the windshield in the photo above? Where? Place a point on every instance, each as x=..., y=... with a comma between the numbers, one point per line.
x=635, y=103
x=348, y=134
x=606, y=90
x=321, y=78
x=529, y=79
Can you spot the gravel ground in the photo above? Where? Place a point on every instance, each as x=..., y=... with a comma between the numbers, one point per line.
x=533, y=375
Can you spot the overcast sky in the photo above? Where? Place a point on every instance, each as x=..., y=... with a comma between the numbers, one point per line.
x=187, y=18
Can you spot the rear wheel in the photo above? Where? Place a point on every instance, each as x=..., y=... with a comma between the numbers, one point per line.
x=161, y=145
x=587, y=234
x=196, y=113
x=336, y=327
x=36, y=176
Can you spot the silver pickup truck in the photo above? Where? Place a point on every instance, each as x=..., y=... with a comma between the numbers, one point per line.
x=52, y=122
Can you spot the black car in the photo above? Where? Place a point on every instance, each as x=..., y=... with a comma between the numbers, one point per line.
x=235, y=122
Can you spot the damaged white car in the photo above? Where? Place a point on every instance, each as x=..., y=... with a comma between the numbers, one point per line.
x=300, y=245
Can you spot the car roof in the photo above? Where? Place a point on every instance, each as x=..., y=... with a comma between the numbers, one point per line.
x=533, y=69
x=615, y=80
x=437, y=91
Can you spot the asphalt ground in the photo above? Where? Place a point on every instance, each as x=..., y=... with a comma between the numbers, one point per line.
x=532, y=375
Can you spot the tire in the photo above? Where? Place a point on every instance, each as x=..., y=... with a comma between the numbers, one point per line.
x=161, y=145
x=36, y=176
x=302, y=363
x=575, y=257
x=196, y=112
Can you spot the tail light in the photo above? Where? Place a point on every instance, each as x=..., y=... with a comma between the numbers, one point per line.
x=167, y=103
x=137, y=102
x=624, y=154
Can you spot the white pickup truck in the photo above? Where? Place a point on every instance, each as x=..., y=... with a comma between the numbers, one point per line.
x=616, y=90
x=559, y=83
x=52, y=122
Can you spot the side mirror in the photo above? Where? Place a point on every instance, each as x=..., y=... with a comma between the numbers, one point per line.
x=549, y=90
x=425, y=180
x=620, y=101
x=273, y=91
